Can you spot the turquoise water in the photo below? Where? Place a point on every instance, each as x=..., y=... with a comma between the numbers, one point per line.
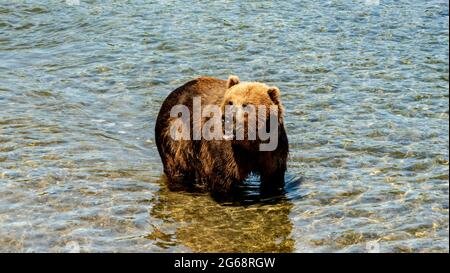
x=365, y=85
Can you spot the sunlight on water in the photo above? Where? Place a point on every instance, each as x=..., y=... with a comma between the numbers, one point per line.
x=365, y=87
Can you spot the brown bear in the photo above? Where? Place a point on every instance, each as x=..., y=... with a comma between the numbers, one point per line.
x=221, y=164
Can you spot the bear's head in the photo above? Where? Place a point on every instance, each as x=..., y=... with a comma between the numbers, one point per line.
x=252, y=105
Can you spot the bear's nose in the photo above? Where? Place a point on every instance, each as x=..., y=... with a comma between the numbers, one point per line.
x=240, y=114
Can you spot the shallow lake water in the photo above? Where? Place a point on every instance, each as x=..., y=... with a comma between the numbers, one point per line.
x=365, y=85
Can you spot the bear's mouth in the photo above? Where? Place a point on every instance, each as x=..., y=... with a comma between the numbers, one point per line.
x=232, y=131
x=236, y=135
x=226, y=134
x=228, y=137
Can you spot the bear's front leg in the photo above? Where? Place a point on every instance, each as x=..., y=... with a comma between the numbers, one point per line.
x=221, y=169
x=272, y=183
x=272, y=170
x=221, y=185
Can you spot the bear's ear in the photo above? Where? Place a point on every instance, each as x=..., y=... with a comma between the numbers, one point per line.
x=274, y=94
x=232, y=80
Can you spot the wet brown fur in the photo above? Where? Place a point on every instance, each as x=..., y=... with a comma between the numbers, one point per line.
x=219, y=165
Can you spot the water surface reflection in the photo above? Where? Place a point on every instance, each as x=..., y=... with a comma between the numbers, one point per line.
x=249, y=223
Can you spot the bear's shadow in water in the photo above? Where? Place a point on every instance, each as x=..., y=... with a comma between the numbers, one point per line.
x=250, y=222
x=248, y=193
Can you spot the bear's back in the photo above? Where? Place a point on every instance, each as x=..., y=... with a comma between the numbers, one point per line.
x=211, y=91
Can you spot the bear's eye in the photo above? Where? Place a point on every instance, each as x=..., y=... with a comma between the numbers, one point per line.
x=244, y=105
x=230, y=103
